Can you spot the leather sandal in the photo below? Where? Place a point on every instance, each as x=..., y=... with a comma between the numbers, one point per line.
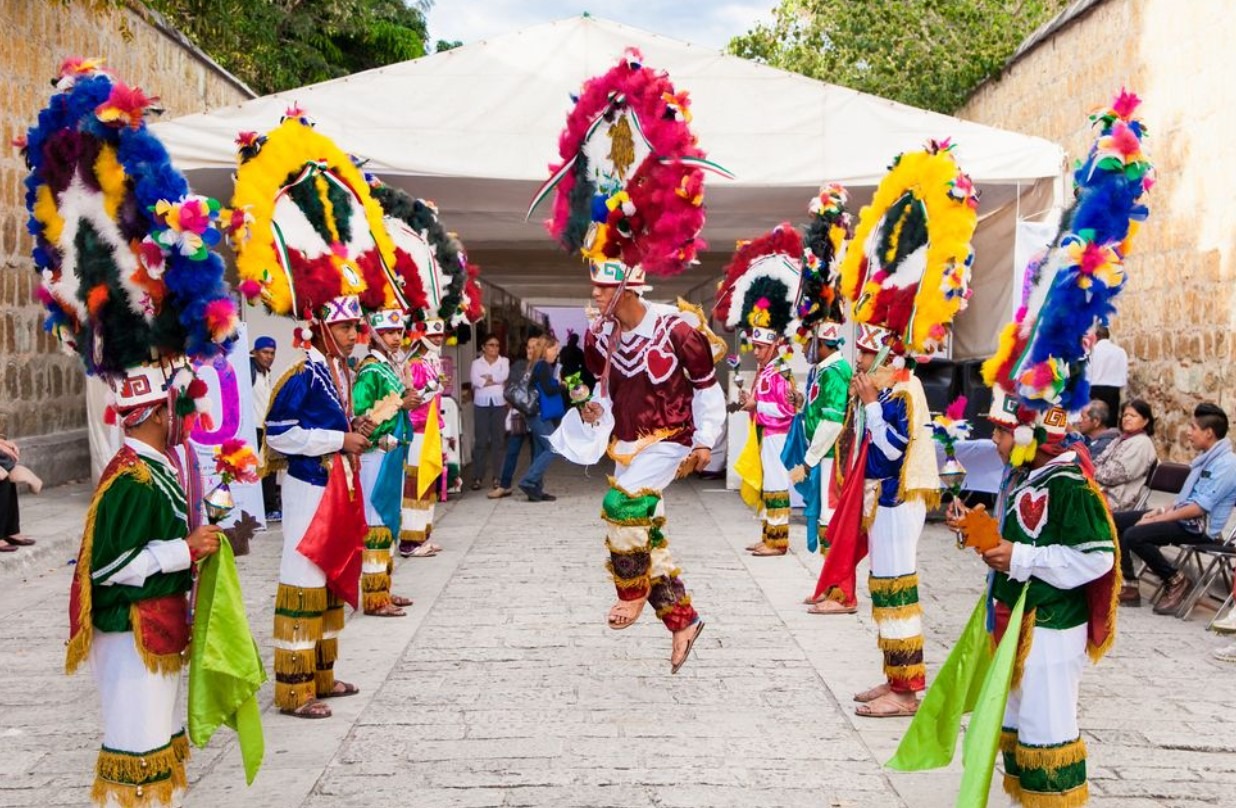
x=314, y=708
x=387, y=610
x=19, y=540
x=400, y=600
x=764, y=550
x=873, y=693
x=621, y=615
x=686, y=652
x=886, y=706
x=828, y=606
x=349, y=689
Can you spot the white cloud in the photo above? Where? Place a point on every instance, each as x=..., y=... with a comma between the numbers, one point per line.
x=710, y=23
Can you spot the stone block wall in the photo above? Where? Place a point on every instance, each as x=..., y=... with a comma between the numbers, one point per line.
x=1178, y=310
x=42, y=389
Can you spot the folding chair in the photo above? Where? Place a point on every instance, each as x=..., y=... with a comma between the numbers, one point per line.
x=1221, y=555
x=1164, y=478
x=1144, y=496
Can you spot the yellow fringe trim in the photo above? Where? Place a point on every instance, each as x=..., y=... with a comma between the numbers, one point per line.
x=300, y=598
x=297, y=629
x=880, y=614
x=375, y=582
x=1024, y=643
x=323, y=682
x=1051, y=758
x=155, y=663
x=905, y=671
x=1069, y=799
x=78, y=646
x=382, y=557
x=905, y=645
x=776, y=513
x=327, y=653
x=333, y=620
x=1008, y=740
x=1012, y=787
x=289, y=697
x=892, y=586
x=295, y=663
x=636, y=494
x=372, y=601
x=119, y=776
x=643, y=582
x=414, y=536
x=1097, y=652
x=641, y=443
x=776, y=531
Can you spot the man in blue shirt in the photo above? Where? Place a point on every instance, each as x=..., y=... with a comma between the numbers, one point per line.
x=1196, y=517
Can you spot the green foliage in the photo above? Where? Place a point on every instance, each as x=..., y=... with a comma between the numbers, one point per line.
x=927, y=53
x=275, y=45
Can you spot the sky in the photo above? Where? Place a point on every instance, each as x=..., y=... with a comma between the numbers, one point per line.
x=711, y=23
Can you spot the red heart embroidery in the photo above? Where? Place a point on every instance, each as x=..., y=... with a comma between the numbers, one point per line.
x=1031, y=510
x=660, y=364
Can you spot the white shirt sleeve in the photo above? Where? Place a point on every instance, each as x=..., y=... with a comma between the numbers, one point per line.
x=306, y=442
x=501, y=370
x=157, y=556
x=826, y=434
x=708, y=412
x=1062, y=567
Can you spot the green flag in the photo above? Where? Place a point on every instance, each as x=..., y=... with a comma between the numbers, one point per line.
x=225, y=670
x=931, y=739
x=978, y=752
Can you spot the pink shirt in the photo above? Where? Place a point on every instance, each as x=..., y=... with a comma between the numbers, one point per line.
x=773, y=410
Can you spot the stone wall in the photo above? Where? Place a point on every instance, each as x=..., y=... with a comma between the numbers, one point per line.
x=1177, y=313
x=42, y=402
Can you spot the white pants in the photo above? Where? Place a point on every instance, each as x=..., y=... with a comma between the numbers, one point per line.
x=776, y=478
x=826, y=483
x=893, y=539
x=655, y=467
x=139, y=707
x=1043, y=709
x=300, y=504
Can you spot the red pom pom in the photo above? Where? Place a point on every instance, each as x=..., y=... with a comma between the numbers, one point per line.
x=197, y=389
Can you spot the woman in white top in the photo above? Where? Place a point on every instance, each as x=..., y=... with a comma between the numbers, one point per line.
x=1122, y=467
x=488, y=374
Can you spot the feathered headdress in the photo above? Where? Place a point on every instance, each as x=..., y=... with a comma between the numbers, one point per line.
x=760, y=285
x=123, y=247
x=630, y=187
x=308, y=230
x=908, y=268
x=819, y=297
x=446, y=284
x=1041, y=356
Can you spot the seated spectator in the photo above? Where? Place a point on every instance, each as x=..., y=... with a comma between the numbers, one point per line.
x=12, y=473
x=1196, y=517
x=1092, y=424
x=1122, y=468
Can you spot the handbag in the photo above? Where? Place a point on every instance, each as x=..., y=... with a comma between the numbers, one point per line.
x=515, y=424
x=522, y=397
x=552, y=405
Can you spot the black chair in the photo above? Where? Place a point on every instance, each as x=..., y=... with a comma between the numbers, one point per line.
x=1221, y=555
x=1164, y=477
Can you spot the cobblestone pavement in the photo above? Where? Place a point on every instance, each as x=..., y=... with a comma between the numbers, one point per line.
x=503, y=687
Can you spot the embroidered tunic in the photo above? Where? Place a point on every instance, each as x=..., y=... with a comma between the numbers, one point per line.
x=307, y=412
x=656, y=370
x=375, y=380
x=826, y=397
x=773, y=410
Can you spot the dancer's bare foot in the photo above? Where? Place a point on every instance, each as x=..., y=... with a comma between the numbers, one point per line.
x=871, y=694
x=890, y=705
x=762, y=549
x=310, y=709
x=340, y=690
x=684, y=640
x=624, y=613
x=829, y=606
x=752, y=547
x=400, y=600
x=387, y=610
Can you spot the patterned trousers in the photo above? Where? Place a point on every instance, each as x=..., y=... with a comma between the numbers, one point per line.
x=775, y=510
x=893, y=545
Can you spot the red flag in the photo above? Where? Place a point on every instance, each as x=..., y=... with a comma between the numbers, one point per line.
x=846, y=537
x=335, y=538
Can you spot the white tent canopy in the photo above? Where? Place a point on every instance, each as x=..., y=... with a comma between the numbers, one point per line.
x=475, y=129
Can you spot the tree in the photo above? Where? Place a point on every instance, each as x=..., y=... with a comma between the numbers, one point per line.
x=275, y=45
x=927, y=53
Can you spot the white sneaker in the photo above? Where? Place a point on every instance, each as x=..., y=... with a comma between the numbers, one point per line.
x=1226, y=653
x=1227, y=625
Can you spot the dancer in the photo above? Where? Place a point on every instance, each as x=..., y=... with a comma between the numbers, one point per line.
x=380, y=396
x=666, y=415
x=442, y=294
x=906, y=275
x=327, y=237
x=821, y=314
x=657, y=388
x=1053, y=553
x=129, y=294
x=758, y=295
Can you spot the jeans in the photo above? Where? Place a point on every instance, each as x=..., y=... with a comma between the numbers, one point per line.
x=490, y=436
x=1144, y=541
x=533, y=480
x=270, y=484
x=515, y=443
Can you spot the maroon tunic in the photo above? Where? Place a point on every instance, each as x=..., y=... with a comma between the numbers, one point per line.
x=655, y=371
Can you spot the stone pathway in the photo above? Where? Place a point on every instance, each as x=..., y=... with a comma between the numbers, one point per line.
x=503, y=687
